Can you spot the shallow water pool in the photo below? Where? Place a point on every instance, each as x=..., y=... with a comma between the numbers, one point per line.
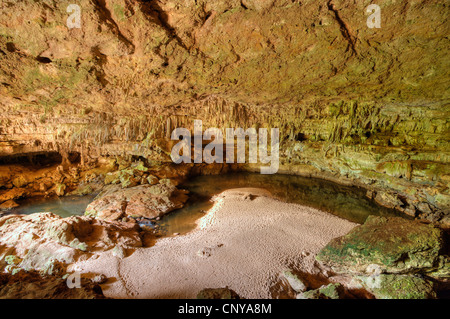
x=344, y=201
x=63, y=206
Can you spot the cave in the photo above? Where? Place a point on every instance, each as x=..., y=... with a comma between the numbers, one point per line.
x=37, y=159
x=254, y=149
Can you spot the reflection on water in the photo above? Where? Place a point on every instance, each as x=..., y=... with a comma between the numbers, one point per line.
x=62, y=206
x=184, y=220
x=347, y=202
x=344, y=201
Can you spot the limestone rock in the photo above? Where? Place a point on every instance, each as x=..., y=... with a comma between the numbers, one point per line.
x=295, y=282
x=43, y=186
x=112, y=178
x=60, y=189
x=388, y=286
x=119, y=252
x=20, y=181
x=84, y=189
x=443, y=269
x=47, y=243
x=217, y=293
x=13, y=194
x=8, y=205
x=31, y=285
x=152, y=180
x=5, y=177
x=149, y=201
x=395, y=244
x=13, y=260
x=388, y=200
x=128, y=179
x=330, y=291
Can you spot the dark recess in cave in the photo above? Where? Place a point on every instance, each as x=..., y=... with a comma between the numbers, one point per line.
x=11, y=47
x=43, y=59
x=301, y=137
x=39, y=159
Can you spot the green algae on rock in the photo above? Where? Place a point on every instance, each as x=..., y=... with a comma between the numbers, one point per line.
x=389, y=286
x=330, y=291
x=394, y=244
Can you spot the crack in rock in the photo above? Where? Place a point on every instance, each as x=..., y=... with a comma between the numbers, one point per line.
x=101, y=4
x=345, y=31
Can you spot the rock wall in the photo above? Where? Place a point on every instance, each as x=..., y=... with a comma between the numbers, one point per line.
x=353, y=104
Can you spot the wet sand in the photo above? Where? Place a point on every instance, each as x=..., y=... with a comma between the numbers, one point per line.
x=244, y=242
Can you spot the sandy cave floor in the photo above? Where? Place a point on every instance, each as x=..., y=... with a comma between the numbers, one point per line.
x=244, y=242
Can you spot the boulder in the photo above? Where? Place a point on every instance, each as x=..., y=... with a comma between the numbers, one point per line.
x=20, y=181
x=152, y=180
x=150, y=201
x=131, y=175
x=112, y=178
x=139, y=166
x=217, y=293
x=389, y=286
x=330, y=291
x=395, y=244
x=128, y=179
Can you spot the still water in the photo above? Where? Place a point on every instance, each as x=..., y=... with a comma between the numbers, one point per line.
x=344, y=201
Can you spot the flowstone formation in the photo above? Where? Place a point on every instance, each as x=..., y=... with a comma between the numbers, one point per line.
x=357, y=105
